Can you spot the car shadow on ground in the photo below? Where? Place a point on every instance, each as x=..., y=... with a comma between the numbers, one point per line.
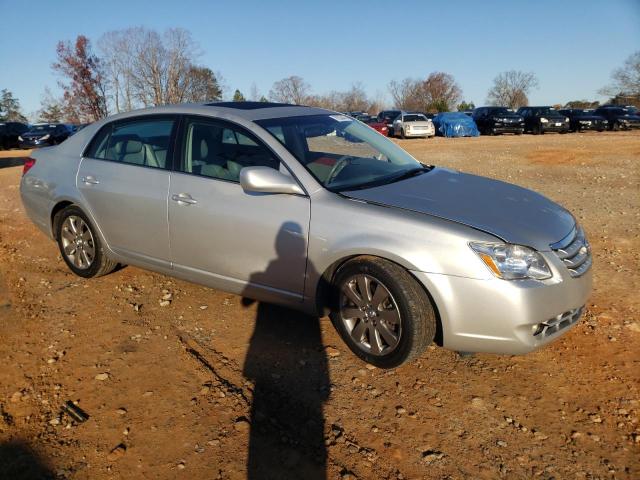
x=287, y=364
x=19, y=462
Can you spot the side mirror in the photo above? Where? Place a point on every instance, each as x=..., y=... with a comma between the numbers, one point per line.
x=268, y=180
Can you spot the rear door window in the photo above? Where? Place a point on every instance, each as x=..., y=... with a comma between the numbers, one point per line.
x=144, y=142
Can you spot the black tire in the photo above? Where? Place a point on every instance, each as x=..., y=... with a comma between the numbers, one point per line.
x=416, y=312
x=100, y=264
x=615, y=126
x=402, y=134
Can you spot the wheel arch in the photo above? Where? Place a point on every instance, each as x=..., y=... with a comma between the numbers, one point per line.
x=325, y=294
x=57, y=208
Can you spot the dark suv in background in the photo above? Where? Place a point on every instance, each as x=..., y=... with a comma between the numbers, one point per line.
x=539, y=120
x=580, y=119
x=44, y=135
x=387, y=117
x=9, y=133
x=620, y=118
x=496, y=120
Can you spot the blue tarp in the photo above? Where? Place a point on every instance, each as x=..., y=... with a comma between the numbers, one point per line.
x=455, y=124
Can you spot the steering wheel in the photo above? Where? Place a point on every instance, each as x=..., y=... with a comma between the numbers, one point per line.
x=338, y=167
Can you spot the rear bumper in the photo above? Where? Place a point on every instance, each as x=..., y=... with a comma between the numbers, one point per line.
x=502, y=317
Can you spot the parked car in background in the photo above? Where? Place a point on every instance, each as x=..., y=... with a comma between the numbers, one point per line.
x=497, y=120
x=620, y=118
x=455, y=124
x=539, y=120
x=584, y=119
x=44, y=135
x=10, y=133
x=394, y=250
x=409, y=125
x=388, y=116
x=373, y=122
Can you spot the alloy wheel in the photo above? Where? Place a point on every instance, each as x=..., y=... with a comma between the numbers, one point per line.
x=370, y=315
x=77, y=240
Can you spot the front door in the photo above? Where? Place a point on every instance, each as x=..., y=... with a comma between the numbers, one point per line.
x=246, y=243
x=124, y=179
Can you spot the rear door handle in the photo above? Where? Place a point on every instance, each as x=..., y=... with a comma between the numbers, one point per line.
x=184, y=199
x=90, y=180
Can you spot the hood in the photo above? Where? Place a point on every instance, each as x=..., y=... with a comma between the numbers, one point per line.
x=588, y=117
x=35, y=134
x=512, y=213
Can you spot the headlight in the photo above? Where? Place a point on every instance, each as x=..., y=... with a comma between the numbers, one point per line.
x=512, y=262
x=566, y=119
x=605, y=121
x=46, y=137
x=20, y=138
x=543, y=120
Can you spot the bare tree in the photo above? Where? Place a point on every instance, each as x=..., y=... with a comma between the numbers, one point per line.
x=407, y=94
x=511, y=89
x=441, y=92
x=290, y=90
x=625, y=81
x=355, y=99
x=85, y=93
x=146, y=68
x=254, y=93
x=51, y=108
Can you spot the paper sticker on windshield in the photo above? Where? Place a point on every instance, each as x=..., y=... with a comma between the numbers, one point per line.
x=341, y=118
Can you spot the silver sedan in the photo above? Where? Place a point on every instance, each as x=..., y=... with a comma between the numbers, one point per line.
x=313, y=210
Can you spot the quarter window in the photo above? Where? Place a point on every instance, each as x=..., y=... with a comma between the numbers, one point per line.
x=219, y=151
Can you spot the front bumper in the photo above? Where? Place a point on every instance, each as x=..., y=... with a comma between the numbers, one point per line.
x=420, y=133
x=629, y=125
x=591, y=126
x=34, y=144
x=507, y=317
x=506, y=128
x=554, y=127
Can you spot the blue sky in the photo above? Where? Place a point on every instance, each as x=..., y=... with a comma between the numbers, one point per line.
x=572, y=46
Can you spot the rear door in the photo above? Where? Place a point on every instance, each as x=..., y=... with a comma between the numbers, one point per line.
x=246, y=243
x=124, y=179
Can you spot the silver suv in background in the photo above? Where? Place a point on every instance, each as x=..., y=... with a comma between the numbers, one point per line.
x=408, y=125
x=316, y=211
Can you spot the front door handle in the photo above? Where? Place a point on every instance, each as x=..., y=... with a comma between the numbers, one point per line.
x=184, y=199
x=90, y=180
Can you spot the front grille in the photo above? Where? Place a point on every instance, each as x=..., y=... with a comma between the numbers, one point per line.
x=558, y=323
x=575, y=252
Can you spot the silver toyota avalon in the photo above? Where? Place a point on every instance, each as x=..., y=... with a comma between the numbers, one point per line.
x=314, y=210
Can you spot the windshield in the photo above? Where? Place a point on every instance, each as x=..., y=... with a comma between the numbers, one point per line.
x=501, y=111
x=42, y=128
x=414, y=118
x=548, y=111
x=341, y=153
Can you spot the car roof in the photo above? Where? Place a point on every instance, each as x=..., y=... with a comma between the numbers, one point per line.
x=250, y=111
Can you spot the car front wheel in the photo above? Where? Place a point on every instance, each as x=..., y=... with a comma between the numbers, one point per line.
x=381, y=312
x=79, y=244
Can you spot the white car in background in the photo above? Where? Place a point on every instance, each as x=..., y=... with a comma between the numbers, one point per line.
x=413, y=125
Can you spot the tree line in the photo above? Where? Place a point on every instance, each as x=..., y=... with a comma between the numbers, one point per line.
x=140, y=67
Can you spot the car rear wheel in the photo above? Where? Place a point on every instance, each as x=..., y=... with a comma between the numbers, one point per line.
x=79, y=244
x=615, y=126
x=381, y=312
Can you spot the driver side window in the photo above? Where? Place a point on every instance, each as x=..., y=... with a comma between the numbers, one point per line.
x=216, y=150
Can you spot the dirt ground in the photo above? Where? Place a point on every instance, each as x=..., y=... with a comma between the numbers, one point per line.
x=209, y=386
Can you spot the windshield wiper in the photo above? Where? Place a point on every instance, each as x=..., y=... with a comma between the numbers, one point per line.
x=387, y=180
x=413, y=172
